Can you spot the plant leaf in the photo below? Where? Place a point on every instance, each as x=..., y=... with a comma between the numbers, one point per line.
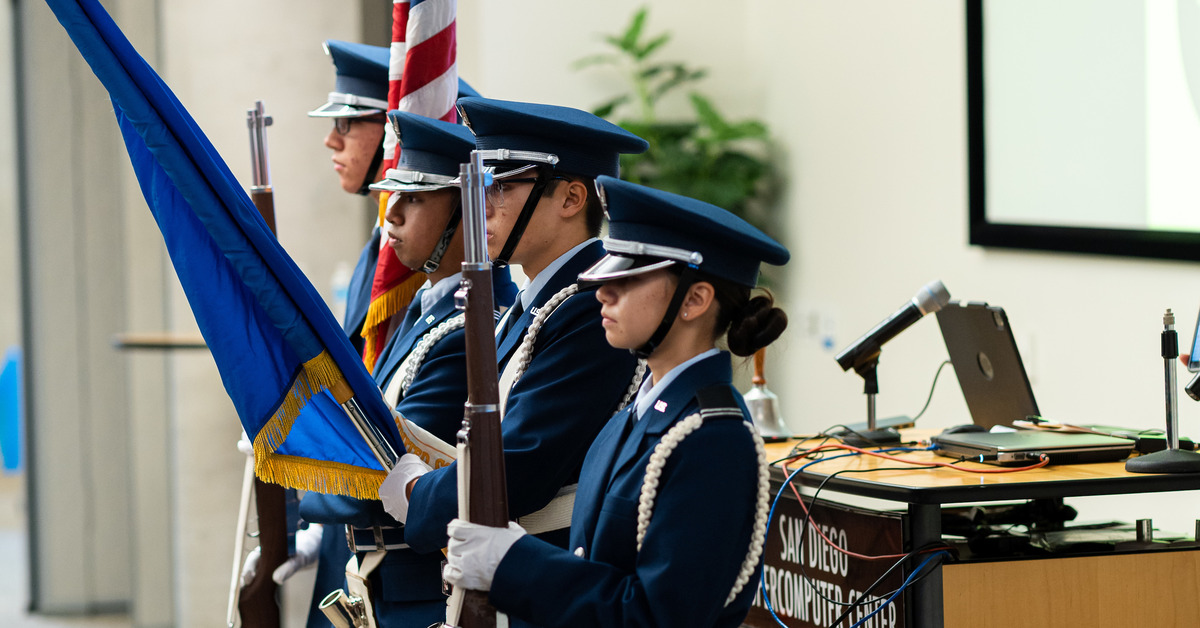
x=630, y=37
x=596, y=59
x=680, y=74
x=654, y=44
x=604, y=110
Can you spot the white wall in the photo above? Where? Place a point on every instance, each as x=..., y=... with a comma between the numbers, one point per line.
x=9, y=292
x=866, y=99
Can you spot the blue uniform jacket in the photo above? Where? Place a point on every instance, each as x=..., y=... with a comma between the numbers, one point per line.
x=434, y=401
x=698, y=536
x=571, y=388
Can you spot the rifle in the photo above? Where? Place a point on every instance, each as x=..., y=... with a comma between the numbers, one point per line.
x=257, y=604
x=481, y=487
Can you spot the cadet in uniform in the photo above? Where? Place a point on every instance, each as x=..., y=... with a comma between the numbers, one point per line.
x=677, y=279
x=542, y=213
x=422, y=370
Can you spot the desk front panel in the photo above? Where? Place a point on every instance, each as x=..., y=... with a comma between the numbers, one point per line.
x=1118, y=590
x=799, y=566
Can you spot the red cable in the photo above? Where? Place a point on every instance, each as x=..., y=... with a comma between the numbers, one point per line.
x=787, y=472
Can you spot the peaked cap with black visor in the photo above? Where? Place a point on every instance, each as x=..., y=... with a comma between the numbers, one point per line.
x=431, y=151
x=556, y=141
x=360, y=90
x=650, y=229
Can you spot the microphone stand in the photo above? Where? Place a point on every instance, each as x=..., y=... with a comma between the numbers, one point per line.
x=871, y=436
x=1173, y=459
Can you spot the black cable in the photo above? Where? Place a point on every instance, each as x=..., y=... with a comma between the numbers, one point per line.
x=808, y=517
x=932, y=387
x=883, y=596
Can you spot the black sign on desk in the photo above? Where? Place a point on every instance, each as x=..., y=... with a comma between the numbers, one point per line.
x=830, y=572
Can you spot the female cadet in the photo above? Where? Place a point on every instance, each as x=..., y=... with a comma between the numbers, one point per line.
x=670, y=516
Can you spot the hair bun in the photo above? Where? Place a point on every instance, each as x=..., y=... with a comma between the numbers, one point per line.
x=757, y=325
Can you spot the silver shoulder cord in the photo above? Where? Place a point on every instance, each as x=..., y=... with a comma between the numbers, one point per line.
x=658, y=461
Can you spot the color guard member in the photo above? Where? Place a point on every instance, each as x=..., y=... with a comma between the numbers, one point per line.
x=670, y=516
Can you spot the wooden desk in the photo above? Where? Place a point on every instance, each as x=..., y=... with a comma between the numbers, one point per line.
x=924, y=491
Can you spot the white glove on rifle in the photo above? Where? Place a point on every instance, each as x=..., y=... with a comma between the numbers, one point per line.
x=308, y=548
x=394, y=490
x=475, y=551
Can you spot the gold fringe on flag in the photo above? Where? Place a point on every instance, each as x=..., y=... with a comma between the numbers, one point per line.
x=317, y=374
x=384, y=308
x=333, y=478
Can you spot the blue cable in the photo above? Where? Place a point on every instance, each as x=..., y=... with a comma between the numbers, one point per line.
x=907, y=581
x=762, y=575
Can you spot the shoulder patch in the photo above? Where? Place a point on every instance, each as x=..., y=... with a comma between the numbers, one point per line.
x=718, y=402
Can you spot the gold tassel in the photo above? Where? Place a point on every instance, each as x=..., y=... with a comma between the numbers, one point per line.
x=383, y=308
x=317, y=374
x=383, y=203
x=316, y=475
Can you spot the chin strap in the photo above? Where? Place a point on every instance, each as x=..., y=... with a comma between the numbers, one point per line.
x=518, y=230
x=435, y=258
x=369, y=178
x=688, y=277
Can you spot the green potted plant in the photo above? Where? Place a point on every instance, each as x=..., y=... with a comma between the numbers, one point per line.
x=707, y=157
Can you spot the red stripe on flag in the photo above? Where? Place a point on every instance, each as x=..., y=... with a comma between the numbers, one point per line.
x=400, y=12
x=429, y=60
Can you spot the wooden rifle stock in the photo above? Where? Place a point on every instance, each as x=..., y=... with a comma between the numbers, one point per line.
x=264, y=200
x=482, y=459
x=258, y=601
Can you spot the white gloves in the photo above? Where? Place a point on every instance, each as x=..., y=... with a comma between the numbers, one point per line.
x=392, y=492
x=475, y=552
x=308, y=548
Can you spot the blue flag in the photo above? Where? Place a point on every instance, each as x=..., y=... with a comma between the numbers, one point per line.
x=284, y=360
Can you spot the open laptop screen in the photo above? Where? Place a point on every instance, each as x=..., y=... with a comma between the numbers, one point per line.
x=987, y=363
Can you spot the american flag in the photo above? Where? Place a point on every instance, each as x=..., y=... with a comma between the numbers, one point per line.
x=423, y=79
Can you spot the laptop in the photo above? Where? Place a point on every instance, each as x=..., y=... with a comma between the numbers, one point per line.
x=980, y=342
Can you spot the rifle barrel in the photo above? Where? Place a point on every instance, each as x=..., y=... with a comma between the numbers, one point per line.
x=482, y=451
x=257, y=603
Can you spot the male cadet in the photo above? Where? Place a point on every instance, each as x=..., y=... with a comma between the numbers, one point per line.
x=422, y=370
x=357, y=106
x=542, y=213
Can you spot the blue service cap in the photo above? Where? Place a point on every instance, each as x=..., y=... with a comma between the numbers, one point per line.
x=570, y=140
x=650, y=229
x=361, y=87
x=431, y=151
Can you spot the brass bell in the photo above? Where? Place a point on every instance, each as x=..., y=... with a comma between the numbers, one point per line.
x=764, y=405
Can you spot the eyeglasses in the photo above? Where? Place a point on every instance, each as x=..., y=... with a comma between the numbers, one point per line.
x=495, y=191
x=342, y=125
x=498, y=188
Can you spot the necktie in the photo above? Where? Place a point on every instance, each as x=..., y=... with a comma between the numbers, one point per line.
x=513, y=314
x=413, y=314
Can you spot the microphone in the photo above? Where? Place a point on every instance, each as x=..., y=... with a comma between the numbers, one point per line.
x=929, y=298
x=1193, y=388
